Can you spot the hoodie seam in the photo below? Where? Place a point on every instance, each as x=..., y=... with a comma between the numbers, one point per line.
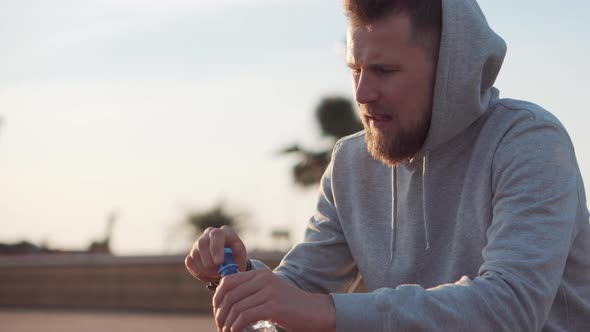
x=535, y=118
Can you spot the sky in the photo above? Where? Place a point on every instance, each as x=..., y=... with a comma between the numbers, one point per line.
x=157, y=108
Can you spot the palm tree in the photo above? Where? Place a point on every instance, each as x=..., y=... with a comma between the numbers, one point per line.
x=336, y=118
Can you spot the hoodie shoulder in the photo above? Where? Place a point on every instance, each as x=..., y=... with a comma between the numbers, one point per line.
x=351, y=155
x=354, y=142
x=524, y=108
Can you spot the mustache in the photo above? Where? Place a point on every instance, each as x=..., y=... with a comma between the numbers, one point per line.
x=375, y=111
x=372, y=109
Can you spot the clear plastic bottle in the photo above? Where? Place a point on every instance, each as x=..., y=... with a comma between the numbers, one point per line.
x=229, y=267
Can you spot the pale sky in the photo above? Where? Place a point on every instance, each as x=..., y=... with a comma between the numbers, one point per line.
x=154, y=108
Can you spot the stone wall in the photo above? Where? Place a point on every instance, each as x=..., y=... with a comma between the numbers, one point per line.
x=158, y=283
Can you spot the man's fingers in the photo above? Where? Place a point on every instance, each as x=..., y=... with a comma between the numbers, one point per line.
x=205, y=253
x=226, y=284
x=249, y=316
x=249, y=301
x=196, y=269
x=229, y=294
x=233, y=241
x=217, y=244
x=192, y=268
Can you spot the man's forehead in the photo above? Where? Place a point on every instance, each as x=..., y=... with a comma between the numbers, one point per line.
x=356, y=36
x=398, y=23
x=356, y=29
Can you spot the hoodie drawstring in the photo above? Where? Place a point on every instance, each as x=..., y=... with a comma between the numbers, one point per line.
x=425, y=199
x=424, y=204
x=393, y=209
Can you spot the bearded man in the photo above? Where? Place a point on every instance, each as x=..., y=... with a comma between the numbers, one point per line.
x=462, y=211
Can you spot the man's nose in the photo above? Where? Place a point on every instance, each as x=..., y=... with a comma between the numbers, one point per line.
x=365, y=90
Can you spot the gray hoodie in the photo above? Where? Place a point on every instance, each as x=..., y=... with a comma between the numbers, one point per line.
x=485, y=229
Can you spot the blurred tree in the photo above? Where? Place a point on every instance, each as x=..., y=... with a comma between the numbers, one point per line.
x=22, y=247
x=215, y=217
x=104, y=246
x=336, y=118
x=182, y=235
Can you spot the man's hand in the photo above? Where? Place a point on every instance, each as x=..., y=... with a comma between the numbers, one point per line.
x=207, y=253
x=246, y=298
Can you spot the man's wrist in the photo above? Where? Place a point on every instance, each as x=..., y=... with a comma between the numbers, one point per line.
x=331, y=314
x=325, y=318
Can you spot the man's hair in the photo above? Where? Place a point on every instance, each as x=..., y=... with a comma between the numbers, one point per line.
x=425, y=15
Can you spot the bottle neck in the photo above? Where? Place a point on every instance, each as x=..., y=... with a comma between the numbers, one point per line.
x=227, y=269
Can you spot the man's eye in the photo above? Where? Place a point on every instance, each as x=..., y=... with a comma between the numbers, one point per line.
x=384, y=71
x=356, y=72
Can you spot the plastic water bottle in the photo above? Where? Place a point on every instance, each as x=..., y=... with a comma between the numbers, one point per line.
x=230, y=267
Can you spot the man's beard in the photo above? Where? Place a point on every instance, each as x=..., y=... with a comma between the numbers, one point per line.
x=397, y=144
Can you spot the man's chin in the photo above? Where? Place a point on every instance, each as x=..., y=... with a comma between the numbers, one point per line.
x=385, y=149
x=387, y=159
x=378, y=147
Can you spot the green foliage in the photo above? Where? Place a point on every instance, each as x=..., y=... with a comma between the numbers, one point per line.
x=215, y=217
x=336, y=118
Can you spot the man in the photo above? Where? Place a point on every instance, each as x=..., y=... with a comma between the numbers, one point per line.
x=461, y=211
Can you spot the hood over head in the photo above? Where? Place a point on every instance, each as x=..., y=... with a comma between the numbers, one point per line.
x=469, y=61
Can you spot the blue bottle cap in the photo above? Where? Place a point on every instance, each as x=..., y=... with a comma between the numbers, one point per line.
x=229, y=266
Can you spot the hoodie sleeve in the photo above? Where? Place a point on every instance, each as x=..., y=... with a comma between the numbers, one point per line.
x=536, y=215
x=322, y=262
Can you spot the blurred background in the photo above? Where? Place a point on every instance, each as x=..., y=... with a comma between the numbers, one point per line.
x=127, y=127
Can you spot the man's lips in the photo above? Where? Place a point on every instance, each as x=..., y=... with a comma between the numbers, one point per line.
x=378, y=121
x=378, y=117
